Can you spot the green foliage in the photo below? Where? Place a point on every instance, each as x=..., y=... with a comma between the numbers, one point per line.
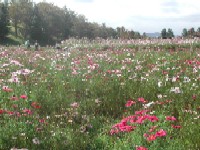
x=167, y=34
x=49, y=24
x=4, y=21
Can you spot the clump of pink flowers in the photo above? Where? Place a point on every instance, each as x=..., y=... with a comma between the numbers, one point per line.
x=142, y=117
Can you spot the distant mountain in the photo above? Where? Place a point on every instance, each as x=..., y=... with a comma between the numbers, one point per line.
x=155, y=34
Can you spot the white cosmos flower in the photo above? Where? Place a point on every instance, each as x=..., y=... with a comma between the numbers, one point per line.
x=159, y=84
x=148, y=104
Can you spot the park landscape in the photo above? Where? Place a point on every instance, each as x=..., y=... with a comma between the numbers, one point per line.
x=88, y=86
x=124, y=96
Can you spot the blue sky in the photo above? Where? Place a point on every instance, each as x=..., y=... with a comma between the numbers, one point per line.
x=139, y=15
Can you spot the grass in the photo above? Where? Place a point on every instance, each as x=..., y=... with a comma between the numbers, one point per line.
x=73, y=100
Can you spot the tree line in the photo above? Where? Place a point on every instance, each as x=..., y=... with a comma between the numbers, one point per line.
x=49, y=24
x=190, y=33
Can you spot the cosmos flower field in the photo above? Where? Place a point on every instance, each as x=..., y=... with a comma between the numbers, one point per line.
x=115, y=98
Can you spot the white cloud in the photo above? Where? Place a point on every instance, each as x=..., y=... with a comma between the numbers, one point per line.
x=142, y=15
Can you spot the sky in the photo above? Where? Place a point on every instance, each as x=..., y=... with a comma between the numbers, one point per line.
x=139, y=15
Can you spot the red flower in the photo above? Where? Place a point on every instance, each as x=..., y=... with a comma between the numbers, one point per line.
x=194, y=97
x=141, y=119
x=141, y=112
x=151, y=137
x=126, y=128
x=1, y=111
x=170, y=118
x=142, y=100
x=10, y=112
x=35, y=105
x=176, y=127
x=23, y=97
x=42, y=121
x=152, y=128
x=129, y=103
x=152, y=118
x=28, y=111
x=141, y=148
x=122, y=127
x=14, y=98
x=161, y=133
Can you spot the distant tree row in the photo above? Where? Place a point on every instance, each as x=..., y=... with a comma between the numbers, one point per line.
x=48, y=23
x=167, y=34
x=191, y=32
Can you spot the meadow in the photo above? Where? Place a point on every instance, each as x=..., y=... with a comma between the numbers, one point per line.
x=108, y=95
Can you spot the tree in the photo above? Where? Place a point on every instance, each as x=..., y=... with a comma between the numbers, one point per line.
x=184, y=32
x=144, y=36
x=26, y=11
x=14, y=13
x=191, y=32
x=36, y=30
x=131, y=34
x=198, y=29
x=52, y=22
x=164, y=33
x=4, y=21
x=170, y=33
x=198, y=32
x=68, y=22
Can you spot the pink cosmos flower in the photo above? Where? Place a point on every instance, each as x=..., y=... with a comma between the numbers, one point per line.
x=141, y=119
x=35, y=105
x=170, y=118
x=141, y=112
x=141, y=148
x=176, y=127
x=151, y=137
x=74, y=105
x=23, y=96
x=132, y=119
x=126, y=128
x=152, y=128
x=6, y=89
x=129, y=103
x=14, y=98
x=42, y=121
x=152, y=118
x=122, y=127
x=194, y=97
x=1, y=111
x=28, y=111
x=161, y=133
x=142, y=100
x=10, y=112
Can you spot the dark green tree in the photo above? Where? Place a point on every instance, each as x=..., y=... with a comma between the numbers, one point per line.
x=184, y=32
x=164, y=33
x=15, y=15
x=198, y=32
x=191, y=32
x=170, y=33
x=69, y=16
x=4, y=21
x=52, y=22
x=198, y=29
x=26, y=11
x=36, y=29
